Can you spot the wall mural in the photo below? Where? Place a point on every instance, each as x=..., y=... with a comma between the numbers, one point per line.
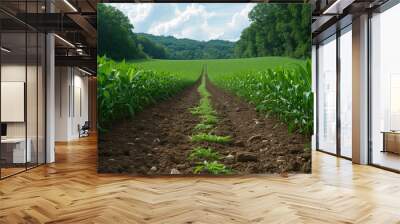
x=204, y=89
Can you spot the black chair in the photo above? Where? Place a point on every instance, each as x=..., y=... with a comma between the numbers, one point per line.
x=84, y=130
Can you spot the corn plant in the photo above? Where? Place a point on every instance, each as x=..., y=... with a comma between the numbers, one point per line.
x=202, y=137
x=125, y=89
x=200, y=153
x=285, y=93
x=211, y=168
x=201, y=127
x=204, y=110
x=208, y=119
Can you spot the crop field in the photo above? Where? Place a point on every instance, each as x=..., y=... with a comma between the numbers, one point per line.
x=226, y=116
x=125, y=89
x=275, y=85
x=219, y=66
x=284, y=92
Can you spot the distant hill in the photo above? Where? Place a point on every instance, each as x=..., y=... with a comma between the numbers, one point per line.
x=192, y=49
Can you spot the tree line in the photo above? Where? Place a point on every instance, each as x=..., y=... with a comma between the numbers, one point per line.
x=275, y=30
x=192, y=49
x=116, y=39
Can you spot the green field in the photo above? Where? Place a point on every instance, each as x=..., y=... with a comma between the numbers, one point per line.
x=192, y=68
x=277, y=85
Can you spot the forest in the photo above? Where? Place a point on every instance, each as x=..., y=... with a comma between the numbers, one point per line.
x=180, y=49
x=275, y=30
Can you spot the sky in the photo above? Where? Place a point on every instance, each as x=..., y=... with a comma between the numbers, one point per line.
x=198, y=21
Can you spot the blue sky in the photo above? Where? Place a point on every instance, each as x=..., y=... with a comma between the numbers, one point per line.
x=197, y=21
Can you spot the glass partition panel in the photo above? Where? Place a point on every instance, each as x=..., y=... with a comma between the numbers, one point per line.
x=385, y=89
x=15, y=152
x=41, y=99
x=22, y=66
x=32, y=98
x=327, y=95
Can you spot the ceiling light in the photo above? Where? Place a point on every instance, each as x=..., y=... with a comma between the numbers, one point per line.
x=65, y=41
x=79, y=51
x=5, y=50
x=338, y=6
x=70, y=5
x=86, y=72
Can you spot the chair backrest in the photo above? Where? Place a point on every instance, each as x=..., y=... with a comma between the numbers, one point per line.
x=86, y=124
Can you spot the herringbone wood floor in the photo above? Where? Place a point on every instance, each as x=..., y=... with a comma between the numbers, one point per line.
x=70, y=191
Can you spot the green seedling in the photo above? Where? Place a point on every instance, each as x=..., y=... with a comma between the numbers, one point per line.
x=203, y=127
x=202, y=137
x=211, y=168
x=200, y=153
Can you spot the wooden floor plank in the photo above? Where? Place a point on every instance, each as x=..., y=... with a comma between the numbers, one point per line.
x=71, y=191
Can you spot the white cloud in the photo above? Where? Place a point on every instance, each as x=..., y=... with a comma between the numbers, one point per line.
x=184, y=23
x=135, y=14
x=241, y=18
x=195, y=21
x=238, y=22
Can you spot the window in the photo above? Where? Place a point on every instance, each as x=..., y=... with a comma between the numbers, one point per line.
x=385, y=89
x=346, y=92
x=327, y=95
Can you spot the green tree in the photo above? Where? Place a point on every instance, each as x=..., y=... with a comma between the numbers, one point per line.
x=277, y=30
x=152, y=49
x=191, y=49
x=115, y=35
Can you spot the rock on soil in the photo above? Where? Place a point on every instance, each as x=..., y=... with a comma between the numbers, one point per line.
x=280, y=159
x=153, y=169
x=239, y=143
x=254, y=137
x=246, y=157
x=157, y=140
x=175, y=171
x=229, y=158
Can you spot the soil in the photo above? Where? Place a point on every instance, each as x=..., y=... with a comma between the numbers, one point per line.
x=158, y=136
x=156, y=141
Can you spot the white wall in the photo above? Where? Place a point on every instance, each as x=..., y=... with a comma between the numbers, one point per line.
x=34, y=125
x=14, y=72
x=62, y=81
x=17, y=72
x=80, y=115
x=70, y=83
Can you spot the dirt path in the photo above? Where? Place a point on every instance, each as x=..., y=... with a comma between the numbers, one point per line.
x=157, y=140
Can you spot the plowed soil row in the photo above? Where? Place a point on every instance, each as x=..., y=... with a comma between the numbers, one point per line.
x=157, y=140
